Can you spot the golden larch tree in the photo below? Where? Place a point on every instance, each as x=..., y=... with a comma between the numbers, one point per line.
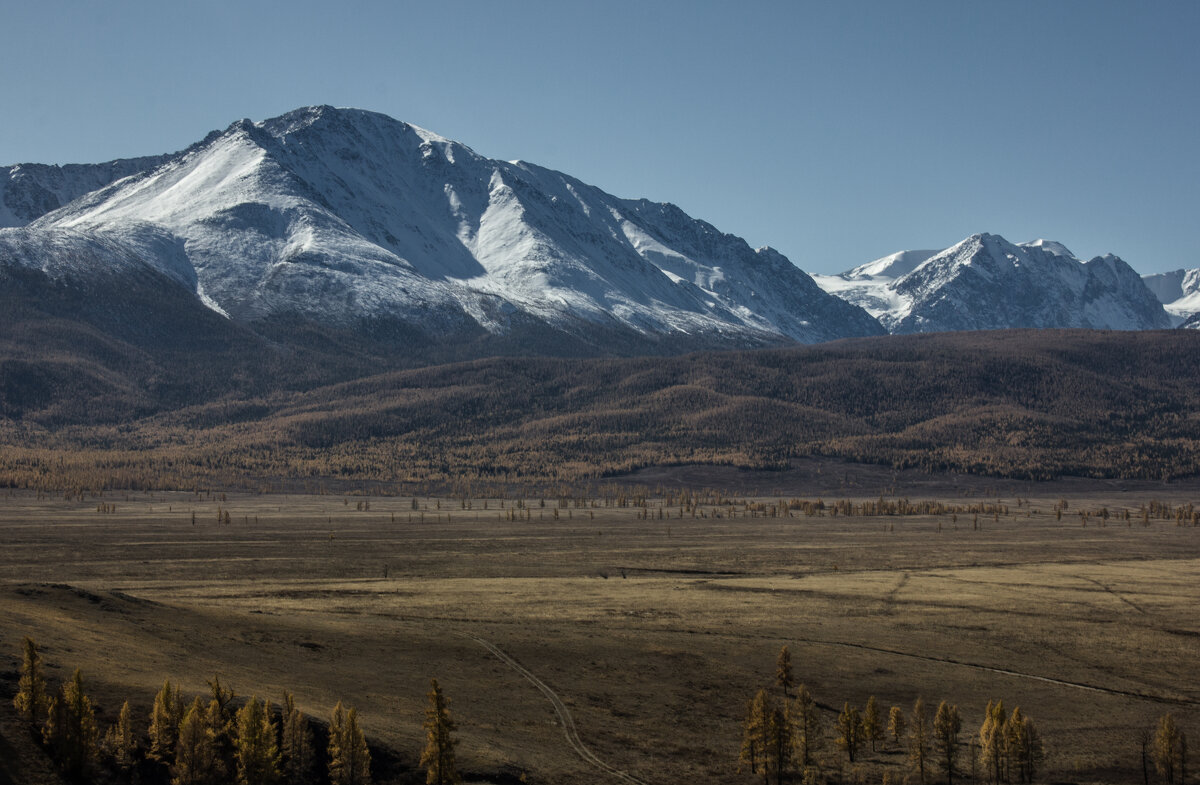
x=438, y=755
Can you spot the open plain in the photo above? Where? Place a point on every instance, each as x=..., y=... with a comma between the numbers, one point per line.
x=617, y=637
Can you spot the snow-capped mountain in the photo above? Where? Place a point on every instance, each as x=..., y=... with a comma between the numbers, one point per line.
x=1178, y=291
x=346, y=217
x=987, y=283
x=29, y=191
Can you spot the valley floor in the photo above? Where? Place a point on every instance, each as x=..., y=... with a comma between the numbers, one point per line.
x=648, y=635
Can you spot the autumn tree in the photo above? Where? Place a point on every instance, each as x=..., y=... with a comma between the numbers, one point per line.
x=780, y=743
x=783, y=672
x=349, y=758
x=70, y=730
x=1024, y=749
x=120, y=745
x=31, y=701
x=197, y=759
x=256, y=751
x=1166, y=748
x=850, y=730
x=296, y=747
x=807, y=719
x=946, y=726
x=872, y=722
x=918, y=738
x=755, y=731
x=896, y=724
x=164, y=723
x=992, y=736
x=438, y=755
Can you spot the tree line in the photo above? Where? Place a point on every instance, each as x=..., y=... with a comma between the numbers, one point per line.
x=215, y=738
x=784, y=733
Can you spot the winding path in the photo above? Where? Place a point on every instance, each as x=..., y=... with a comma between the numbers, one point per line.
x=564, y=714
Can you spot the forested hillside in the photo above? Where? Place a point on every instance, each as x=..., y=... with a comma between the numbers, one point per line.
x=1029, y=404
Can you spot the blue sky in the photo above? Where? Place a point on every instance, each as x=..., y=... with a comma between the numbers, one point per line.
x=836, y=132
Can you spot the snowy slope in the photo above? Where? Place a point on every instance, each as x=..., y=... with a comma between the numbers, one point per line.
x=29, y=191
x=345, y=216
x=987, y=283
x=1178, y=291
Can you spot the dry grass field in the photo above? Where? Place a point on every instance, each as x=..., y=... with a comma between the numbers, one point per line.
x=647, y=636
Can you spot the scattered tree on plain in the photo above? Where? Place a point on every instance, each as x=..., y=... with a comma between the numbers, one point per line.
x=850, y=730
x=872, y=722
x=70, y=731
x=754, y=732
x=783, y=672
x=896, y=724
x=349, y=758
x=918, y=738
x=1170, y=751
x=1023, y=746
x=31, y=701
x=946, y=726
x=992, y=746
x=438, y=755
x=779, y=744
x=808, y=727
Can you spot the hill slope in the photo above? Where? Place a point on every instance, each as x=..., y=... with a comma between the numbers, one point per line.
x=1029, y=403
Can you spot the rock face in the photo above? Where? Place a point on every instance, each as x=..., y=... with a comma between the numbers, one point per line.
x=1179, y=292
x=349, y=218
x=29, y=191
x=988, y=283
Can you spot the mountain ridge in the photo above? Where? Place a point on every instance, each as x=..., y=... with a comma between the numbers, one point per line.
x=986, y=282
x=345, y=215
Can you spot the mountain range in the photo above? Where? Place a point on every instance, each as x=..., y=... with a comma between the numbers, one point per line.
x=352, y=223
x=987, y=283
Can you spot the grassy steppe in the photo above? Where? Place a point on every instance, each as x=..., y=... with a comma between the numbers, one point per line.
x=653, y=633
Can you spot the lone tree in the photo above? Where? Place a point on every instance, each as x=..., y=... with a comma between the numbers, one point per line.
x=807, y=720
x=256, y=751
x=850, y=730
x=438, y=755
x=70, y=730
x=946, y=726
x=31, y=701
x=780, y=743
x=783, y=672
x=872, y=722
x=297, y=744
x=755, y=732
x=349, y=758
x=896, y=724
x=1166, y=749
x=918, y=738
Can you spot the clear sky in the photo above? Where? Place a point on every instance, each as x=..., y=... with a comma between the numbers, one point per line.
x=836, y=132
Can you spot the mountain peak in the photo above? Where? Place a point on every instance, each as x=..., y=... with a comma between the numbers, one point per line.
x=1050, y=246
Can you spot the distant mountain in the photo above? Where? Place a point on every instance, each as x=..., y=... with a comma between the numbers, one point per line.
x=353, y=220
x=1178, y=291
x=988, y=283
